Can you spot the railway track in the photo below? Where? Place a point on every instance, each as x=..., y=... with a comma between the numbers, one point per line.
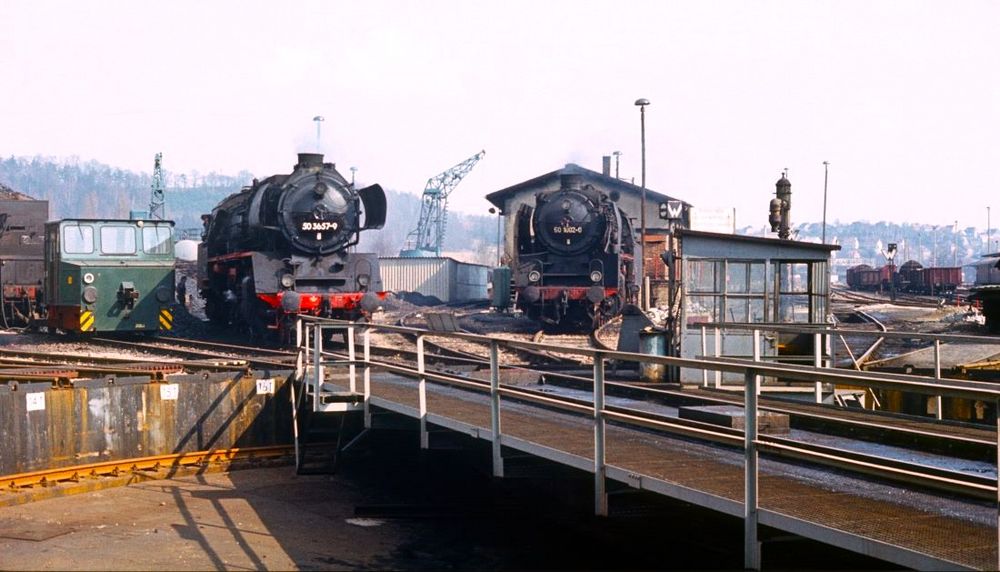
x=36, y=485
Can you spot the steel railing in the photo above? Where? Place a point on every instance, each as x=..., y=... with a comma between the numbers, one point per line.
x=313, y=360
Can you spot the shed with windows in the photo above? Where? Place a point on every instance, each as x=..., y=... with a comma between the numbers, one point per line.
x=723, y=279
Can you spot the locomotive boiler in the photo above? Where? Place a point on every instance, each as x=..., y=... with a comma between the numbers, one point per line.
x=279, y=248
x=575, y=263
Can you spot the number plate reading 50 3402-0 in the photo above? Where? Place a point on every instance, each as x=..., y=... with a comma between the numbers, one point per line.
x=320, y=225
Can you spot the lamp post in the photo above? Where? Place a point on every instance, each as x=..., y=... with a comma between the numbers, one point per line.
x=826, y=171
x=353, y=170
x=499, y=214
x=642, y=103
x=618, y=156
x=318, y=119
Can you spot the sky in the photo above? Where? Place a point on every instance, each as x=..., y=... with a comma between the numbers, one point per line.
x=901, y=98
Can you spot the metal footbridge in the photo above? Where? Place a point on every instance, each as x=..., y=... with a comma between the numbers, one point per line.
x=872, y=503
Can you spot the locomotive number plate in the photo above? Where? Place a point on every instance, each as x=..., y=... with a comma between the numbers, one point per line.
x=567, y=230
x=319, y=225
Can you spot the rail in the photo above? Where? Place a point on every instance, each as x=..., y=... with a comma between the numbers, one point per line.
x=312, y=361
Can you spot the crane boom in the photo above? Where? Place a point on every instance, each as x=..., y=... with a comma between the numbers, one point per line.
x=157, y=208
x=427, y=238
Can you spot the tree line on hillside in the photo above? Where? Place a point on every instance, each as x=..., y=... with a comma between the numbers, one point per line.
x=89, y=189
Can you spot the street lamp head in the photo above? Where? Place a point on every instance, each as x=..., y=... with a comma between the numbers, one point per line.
x=493, y=210
x=642, y=102
x=319, y=118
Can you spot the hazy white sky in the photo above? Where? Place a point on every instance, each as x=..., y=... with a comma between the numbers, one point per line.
x=900, y=97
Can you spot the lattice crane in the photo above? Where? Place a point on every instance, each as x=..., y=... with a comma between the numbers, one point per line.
x=427, y=238
x=157, y=208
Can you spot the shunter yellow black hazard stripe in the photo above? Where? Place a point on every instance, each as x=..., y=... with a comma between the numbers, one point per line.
x=166, y=319
x=86, y=320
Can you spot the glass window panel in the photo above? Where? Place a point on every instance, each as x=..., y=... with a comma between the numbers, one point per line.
x=156, y=239
x=78, y=239
x=819, y=309
x=736, y=310
x=758, y=277
x=793, y=308
x=701, y=276
x=701, y=309
x=757, y=310
x=117, y=240
x=794, y=277
x=736, y=277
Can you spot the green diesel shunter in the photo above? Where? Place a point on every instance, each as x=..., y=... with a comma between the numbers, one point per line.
x=109, y=275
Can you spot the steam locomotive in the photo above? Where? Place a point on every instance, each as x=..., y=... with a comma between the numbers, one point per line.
x=575, y=256
x=279, y=248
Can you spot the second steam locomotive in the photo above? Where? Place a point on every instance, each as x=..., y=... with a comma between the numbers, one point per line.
x=575, y=257
x=279, y=248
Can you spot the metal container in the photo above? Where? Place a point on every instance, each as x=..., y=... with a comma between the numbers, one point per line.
x=443, y=278
x=652, y=342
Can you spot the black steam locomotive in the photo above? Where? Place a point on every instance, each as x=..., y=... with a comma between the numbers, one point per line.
x=279, y=248
x=575, y=262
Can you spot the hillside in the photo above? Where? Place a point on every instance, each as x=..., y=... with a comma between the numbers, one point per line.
x=91, y=189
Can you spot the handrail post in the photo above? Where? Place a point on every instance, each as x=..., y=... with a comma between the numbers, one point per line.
x=756, y=352
x=751, y=546
x=704, y=351
x=495, y=407
x=318, y=370
x=368, y=377
x=818, y=363
x=600, y=470
x=718, y=353
x=937, y=375
x=299, y=351
x=422, y=394
x=351, y=355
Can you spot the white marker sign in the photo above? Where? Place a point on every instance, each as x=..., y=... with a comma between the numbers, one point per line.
x=169, y=391
x=35, y=401
x=265, y=386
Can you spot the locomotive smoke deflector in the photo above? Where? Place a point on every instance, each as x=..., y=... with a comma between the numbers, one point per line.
x=374, y=205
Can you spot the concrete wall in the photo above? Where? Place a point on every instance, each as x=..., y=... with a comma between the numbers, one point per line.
x=96, y=421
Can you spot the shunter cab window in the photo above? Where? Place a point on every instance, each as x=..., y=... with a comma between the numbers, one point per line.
x=156, y=239
x=117, y=240
x=78, y=239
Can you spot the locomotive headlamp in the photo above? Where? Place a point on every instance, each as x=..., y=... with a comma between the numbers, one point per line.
x=320, y=189
x=534, y=276
x=90, y=294
x=287, y=280
x=163, y=294
x=566, y=205
x=88, y=278
x=596, y=276
x=363, y=280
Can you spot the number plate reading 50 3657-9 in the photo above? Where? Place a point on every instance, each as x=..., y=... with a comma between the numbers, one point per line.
x=320, y=225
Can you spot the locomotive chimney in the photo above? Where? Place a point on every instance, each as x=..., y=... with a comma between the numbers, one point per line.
x=310, y=160
x=571, y=182
x=606, y=165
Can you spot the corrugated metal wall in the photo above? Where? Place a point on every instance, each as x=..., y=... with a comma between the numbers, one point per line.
x=444, y=278
x=98, y=421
